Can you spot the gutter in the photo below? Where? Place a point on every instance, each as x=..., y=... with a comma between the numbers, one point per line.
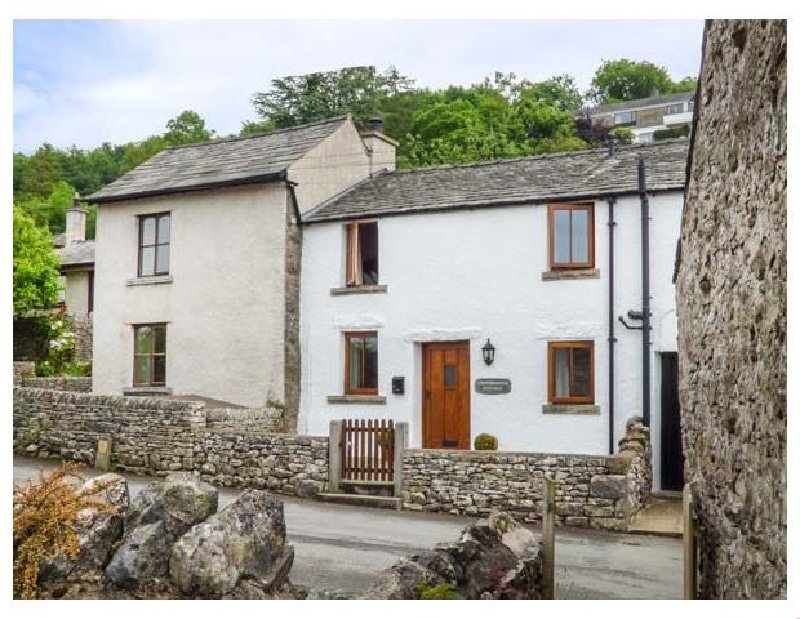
x=611, y=322
x=645, y=215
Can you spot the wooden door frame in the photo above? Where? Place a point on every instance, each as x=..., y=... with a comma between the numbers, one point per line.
x=458, y=344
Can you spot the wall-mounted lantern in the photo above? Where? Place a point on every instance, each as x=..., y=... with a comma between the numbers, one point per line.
x=488, y=352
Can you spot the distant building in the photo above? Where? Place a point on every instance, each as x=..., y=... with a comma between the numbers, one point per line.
x=651, y=119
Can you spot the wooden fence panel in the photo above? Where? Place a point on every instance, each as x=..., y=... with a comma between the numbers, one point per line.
x=367, y=450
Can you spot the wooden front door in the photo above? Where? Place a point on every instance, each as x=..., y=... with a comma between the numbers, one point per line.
x=671, y=444
x=445, y=395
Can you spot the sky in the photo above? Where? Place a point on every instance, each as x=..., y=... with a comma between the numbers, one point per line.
x=83, y=83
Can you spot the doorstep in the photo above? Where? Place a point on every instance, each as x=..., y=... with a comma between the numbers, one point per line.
x=362, y=500
x=663, y=517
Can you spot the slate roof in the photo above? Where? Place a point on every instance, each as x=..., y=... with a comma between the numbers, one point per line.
x=561, y=176
x=219, y=162
x=77, y=254
x=633, y=105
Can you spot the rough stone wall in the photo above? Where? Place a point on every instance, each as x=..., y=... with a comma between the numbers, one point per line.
x=244, y=420
x=24, y=370
x=602, y=492
x=81, y=326
x=731, y=290
x=31, y=338
x=294, y=251
x=59, y=383
x=152, y=436
x=636, y=442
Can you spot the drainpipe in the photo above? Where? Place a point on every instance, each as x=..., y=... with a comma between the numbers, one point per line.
x=611, y=339
x=645, y=215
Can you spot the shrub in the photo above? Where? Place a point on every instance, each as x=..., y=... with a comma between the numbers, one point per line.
x=623, y=135
x=444, y=591
x=681, y=131
x=486, y=441
x=78, y=369
x=45, y=516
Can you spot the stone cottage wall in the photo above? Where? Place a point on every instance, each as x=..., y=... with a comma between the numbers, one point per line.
x=731, y=289
x=81, y=326
x=152, y=436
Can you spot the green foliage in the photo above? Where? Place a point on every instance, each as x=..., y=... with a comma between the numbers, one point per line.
x=623, y=134
x=486, y=442
x=628, y=80
x=681, y=131
x=35, y=266
x=77, y=369
x=443, y=591
x=188, y=127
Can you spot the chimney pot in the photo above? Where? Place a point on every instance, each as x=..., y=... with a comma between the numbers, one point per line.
x=76, y=222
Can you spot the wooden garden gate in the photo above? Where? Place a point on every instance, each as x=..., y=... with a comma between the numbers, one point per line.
x=367, y=450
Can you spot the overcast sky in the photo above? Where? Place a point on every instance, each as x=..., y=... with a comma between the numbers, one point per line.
x=88, y=82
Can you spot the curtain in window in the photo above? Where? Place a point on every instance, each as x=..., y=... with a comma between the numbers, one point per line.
x=353, y=256
x=562, y=372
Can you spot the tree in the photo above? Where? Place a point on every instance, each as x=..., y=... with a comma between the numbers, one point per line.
x=188, y=127
x=628, y=80
x=560, y=91
x=35, y=266
x=301, y=99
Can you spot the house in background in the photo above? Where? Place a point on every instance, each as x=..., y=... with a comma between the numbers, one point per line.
x=485, y=298
x=76, y=279
x=648, y=119
x=198, y=262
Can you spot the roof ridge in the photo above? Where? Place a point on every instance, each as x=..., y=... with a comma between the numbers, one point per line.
x=242, y=138
x=556, y=155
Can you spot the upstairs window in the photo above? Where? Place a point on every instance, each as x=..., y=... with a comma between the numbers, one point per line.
x=362, y=254
x=571, y=236
x=361, y=363
x=570, y=372
x=625, y=118
x=149, y=355
x=154, y=244
x=675, y=108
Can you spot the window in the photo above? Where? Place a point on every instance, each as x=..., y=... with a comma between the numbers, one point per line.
x=690, y=107
x=571, y=236
x=675, y=108
x=149, y=355
x=361, y=363
x=570, y=372
x=645, y=138
x=62, y=289
x=154, y=244
x=625, y=118
x=362, y=254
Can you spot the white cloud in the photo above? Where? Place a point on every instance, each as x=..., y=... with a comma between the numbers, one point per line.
x=130, y=77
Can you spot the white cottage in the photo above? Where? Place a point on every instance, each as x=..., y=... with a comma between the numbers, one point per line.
x=197, y=258
x=502, y=297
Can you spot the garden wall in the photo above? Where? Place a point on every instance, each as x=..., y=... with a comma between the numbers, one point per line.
x=59, y=383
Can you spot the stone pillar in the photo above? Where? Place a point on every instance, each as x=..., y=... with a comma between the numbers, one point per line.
x=400, y=446
x=334, y=454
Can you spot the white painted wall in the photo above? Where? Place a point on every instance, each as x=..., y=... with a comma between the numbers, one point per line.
x=330, y=167
x=478, y=274
x=77, y=292
x=224, y=306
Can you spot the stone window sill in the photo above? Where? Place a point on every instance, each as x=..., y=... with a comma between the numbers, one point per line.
x=376, y=289
x=570, y=409
x=147, y=391
x=356, y=399
x=571, y=274
x=145, y=281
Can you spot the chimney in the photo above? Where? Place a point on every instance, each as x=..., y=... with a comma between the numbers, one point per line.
x=76, y=222
x=380, y=147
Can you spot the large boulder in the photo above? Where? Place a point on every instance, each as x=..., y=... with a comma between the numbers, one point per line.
x=142, y=558
x=179, y=502
x=98, y=531
x=242, y=547
x=495, y=558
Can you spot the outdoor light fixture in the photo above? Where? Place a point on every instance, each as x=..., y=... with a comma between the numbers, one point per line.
x=488, y=352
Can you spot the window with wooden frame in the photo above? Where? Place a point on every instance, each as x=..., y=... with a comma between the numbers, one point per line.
x=361, y=363
x=154, y=244
x=570, y=372
x=149, y=355
x=571, y=236
x=362, y=253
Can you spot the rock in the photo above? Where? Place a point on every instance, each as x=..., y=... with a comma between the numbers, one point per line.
x=608, y=486
x=96, y=530
x=179, y=502
x=246, y=541
x=495, y=558
x=32, y=449
x=142, y=558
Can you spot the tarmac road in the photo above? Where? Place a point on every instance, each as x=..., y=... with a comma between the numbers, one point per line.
x=343, y=547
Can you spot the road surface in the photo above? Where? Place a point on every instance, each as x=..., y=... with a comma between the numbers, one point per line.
x=343, y=547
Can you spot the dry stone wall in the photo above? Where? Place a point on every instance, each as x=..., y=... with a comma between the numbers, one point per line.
x=152, y=436
x=248, y=420
x=731, y=289
x=24, y=370
x=81, y=326
x=59, y=383
x=602, y=492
